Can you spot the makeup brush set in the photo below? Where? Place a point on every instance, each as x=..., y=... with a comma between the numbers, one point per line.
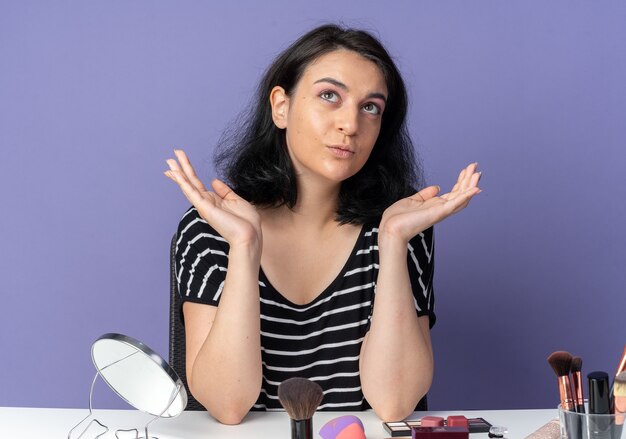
x=602, y=417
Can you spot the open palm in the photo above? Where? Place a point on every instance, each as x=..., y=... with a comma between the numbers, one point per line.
x=411, y=215
x=233, y=217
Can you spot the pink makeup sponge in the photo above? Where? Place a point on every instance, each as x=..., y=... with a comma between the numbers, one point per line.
x=343, y=427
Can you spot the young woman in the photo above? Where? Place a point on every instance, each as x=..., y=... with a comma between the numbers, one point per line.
x=316, y=260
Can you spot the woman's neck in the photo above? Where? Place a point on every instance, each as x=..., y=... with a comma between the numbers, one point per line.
x=316, y=207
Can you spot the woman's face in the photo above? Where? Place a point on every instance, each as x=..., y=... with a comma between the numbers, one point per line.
x=333, y=117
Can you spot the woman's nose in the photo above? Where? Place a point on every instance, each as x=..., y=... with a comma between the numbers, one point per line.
x=348, y=120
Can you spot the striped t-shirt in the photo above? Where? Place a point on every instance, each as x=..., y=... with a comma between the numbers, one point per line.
x=320, y=340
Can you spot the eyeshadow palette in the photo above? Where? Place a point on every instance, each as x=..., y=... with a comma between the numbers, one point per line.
x=403, y=428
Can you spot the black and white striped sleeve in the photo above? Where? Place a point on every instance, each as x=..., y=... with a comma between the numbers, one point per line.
x=201, y=260
x=421, y=264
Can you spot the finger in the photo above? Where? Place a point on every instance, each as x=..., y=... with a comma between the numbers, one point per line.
x=169, y=175
x=222, y=189
x=173, y=164
x=475, y=179
x=188, y=170
x=427, y=193
x=459, y=193
x=191, y=193
x=174, y=170
x=458, y=188
x=461, y=201
x=460, y=178
x=459, y=181
x=469, y=171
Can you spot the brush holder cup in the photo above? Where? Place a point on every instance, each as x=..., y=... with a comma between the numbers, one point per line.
x=587, y=426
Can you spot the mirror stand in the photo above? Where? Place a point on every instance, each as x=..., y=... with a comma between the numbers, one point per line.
x=120, y=430
x=94, y=420
x=132, y=358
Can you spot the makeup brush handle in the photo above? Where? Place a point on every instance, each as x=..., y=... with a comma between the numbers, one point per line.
x=565, y=394
x=577, y=393
x=302, y=429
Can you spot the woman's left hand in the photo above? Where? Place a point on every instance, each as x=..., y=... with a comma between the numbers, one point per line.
x=409, y=216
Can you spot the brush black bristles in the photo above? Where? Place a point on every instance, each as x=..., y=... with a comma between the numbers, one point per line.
x=577, y=385
x=300, y=397
x=561, y=362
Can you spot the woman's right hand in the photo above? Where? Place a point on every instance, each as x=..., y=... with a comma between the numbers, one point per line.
x=230, y=215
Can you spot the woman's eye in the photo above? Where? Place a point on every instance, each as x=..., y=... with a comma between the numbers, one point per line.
x=371, y=108
x=330, y=96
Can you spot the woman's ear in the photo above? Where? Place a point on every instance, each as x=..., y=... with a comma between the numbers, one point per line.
x=280, y=106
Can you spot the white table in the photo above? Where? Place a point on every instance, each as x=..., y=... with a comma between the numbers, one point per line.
x=48, y=423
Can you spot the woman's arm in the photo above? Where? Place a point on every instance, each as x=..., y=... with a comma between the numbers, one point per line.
x=223, y=343
x=396, y=363
x=396, y=357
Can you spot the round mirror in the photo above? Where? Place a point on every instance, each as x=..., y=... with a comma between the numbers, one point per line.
x=139, y=375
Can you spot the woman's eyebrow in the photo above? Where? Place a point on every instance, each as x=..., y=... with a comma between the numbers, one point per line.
x=344, y=87
x=333, y=81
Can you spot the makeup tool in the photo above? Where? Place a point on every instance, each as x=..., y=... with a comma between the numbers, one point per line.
x=619, y=398
x=403, y=428
x=432, y=421
x=439, y=433
x=599, y=404
x=300, y=397
x=343, y=427
x=618, y=402
x=622, y=364
x=457, y=421
x=577, y=381
x=561, y=363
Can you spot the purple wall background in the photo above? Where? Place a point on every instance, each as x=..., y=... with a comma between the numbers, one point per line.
x=94, y=95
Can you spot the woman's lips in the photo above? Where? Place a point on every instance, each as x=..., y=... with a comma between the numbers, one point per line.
x=341, y=151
